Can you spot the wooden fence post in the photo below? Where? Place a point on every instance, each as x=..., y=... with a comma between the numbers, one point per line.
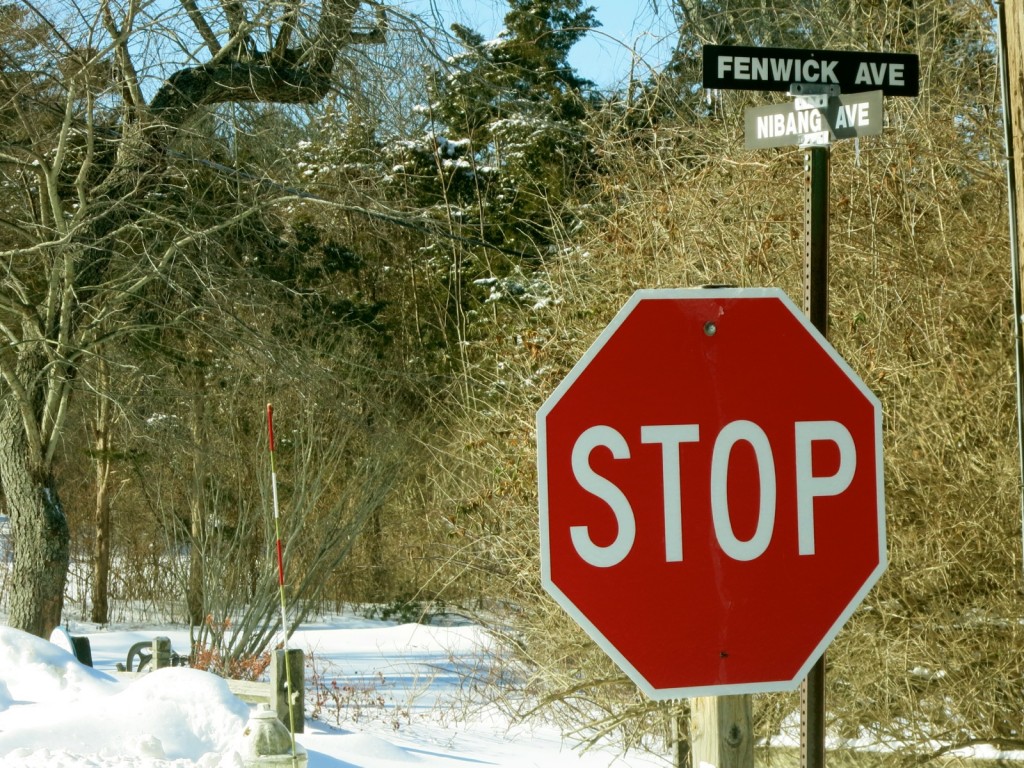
x=161, y=652
x=279, y=676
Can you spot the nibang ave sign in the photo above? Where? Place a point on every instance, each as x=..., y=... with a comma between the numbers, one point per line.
x=711, y=493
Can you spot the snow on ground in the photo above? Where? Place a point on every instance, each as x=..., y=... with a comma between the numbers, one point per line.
x=404, y=692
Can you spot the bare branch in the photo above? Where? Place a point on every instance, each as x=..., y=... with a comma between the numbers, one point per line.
x=119, y=39
x=24, y=400
x=82, y=178
x=285, y=75
x=236, y=17
x=240, y=82
x=201, y=26
x=284, y=35
x=377, y=35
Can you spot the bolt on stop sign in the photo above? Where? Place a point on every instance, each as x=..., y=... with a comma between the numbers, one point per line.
x=711, y=494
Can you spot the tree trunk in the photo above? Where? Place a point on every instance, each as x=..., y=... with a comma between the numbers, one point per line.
x=101, y=546
x=102, y=532
x=39, y=531
x=380, y=574
x=195, y=597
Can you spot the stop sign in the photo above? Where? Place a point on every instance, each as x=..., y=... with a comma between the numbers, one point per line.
x=711, y=496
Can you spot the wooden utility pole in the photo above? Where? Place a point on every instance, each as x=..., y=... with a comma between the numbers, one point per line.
x=1011, y=76
x=1013, y=11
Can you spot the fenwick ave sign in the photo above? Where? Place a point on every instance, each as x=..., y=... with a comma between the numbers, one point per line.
x=751, y=68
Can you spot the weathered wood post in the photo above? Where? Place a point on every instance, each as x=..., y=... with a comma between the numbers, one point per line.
x=282, y=697
x=722, y=731
x=1011, y=35
x=161, y=652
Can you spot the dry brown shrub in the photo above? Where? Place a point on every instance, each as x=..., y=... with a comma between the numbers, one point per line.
x=920, y=306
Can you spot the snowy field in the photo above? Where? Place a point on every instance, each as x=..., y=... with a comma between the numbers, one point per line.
x=407, y=695
x=385, y=695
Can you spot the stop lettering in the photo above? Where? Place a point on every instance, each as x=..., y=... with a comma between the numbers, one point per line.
x=670, y=437
x=710, y=485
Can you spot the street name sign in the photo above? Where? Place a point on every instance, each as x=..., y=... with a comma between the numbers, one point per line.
x=752, y=68
x=711, y=492
x=844, y=117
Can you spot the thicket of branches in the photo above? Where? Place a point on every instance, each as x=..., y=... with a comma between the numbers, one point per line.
x=408, y=259
x=921, y=308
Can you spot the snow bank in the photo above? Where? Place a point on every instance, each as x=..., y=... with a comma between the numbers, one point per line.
x=57, y=713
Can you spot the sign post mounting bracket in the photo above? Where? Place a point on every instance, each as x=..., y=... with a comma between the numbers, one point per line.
x=814, y=89
x=814, y=96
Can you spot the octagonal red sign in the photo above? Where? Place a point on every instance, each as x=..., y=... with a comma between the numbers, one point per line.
x=711, y=494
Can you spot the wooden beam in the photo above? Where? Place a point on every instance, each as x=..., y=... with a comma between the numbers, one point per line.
x=1014, y=15
x=722, y=730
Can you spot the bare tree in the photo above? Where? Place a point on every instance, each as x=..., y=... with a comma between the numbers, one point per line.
x=98, y=214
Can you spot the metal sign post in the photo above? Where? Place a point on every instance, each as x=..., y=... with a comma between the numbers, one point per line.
x=816, y=194
x=816, y=186
x=812, y=690
x=816, y=236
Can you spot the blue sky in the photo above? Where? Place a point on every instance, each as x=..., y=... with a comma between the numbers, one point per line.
x=604, y=56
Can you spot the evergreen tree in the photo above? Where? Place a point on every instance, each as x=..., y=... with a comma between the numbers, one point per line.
x=507, y=150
